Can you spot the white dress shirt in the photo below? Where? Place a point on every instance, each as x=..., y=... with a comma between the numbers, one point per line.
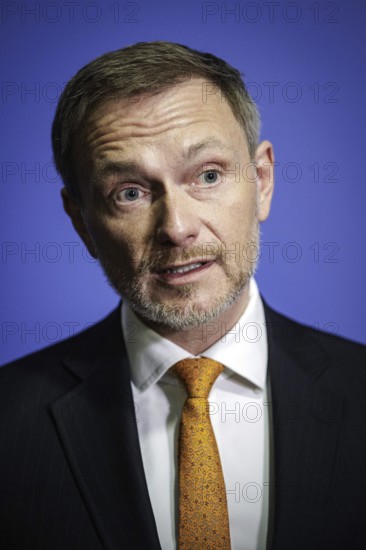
x=239, y=416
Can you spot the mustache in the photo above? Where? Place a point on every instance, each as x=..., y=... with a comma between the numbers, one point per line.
x=160, y=258
x=156, y=259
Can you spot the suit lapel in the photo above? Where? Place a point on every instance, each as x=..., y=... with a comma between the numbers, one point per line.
x=97, y=426
x=306, y=417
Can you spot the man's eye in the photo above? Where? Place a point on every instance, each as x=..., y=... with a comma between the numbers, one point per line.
x=129, y=194
x=209, y=176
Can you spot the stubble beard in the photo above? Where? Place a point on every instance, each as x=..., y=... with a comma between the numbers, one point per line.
x=182, y=310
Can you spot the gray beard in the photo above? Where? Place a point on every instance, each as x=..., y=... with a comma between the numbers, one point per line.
x=176, y=316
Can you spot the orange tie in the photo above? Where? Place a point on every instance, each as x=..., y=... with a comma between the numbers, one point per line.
x=203, y=515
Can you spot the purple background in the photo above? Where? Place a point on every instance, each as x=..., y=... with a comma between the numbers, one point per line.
x=305, y=65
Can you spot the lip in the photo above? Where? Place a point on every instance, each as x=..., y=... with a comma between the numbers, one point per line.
x=176, y=266
x=188, y=276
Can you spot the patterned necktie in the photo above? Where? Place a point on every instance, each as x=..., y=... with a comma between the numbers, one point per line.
x=203, y=515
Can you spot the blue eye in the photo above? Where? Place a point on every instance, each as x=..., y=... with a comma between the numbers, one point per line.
x=210, y=176
x=130, y=194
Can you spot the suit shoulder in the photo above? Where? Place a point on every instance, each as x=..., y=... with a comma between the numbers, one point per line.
x=46, y=364
x=308, y=345
x=279, y=325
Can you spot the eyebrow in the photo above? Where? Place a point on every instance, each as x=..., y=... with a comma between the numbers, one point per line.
x=123, y=167
x=131, y=169
x=210, y=143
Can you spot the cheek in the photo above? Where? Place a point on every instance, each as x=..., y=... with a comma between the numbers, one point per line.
x=119, y=246
x=236, y=220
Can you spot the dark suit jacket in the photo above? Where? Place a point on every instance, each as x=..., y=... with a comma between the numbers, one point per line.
x=71, y=471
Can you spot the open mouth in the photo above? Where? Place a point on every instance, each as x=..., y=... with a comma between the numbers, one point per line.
x=184, y=272
x=184, y=268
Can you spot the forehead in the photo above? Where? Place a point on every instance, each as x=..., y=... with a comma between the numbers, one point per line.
x=171, y=119
x=177, y=106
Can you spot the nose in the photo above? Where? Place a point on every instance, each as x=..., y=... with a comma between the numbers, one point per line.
x=177, y=219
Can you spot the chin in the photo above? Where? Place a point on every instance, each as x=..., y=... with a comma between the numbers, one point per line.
x=175, y=315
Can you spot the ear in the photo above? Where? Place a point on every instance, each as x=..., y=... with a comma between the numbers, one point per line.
x=73, y=209
x=265, y=170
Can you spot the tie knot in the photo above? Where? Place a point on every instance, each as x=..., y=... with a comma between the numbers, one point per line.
x=198, y=375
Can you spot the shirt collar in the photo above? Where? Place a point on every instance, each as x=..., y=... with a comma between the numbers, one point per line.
x=242, y=350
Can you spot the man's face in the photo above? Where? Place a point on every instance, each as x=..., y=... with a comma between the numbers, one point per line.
x=171, y=203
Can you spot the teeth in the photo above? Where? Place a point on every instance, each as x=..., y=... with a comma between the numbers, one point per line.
x=184, y=268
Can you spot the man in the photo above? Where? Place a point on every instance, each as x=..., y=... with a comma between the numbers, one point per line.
x=165, y=182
